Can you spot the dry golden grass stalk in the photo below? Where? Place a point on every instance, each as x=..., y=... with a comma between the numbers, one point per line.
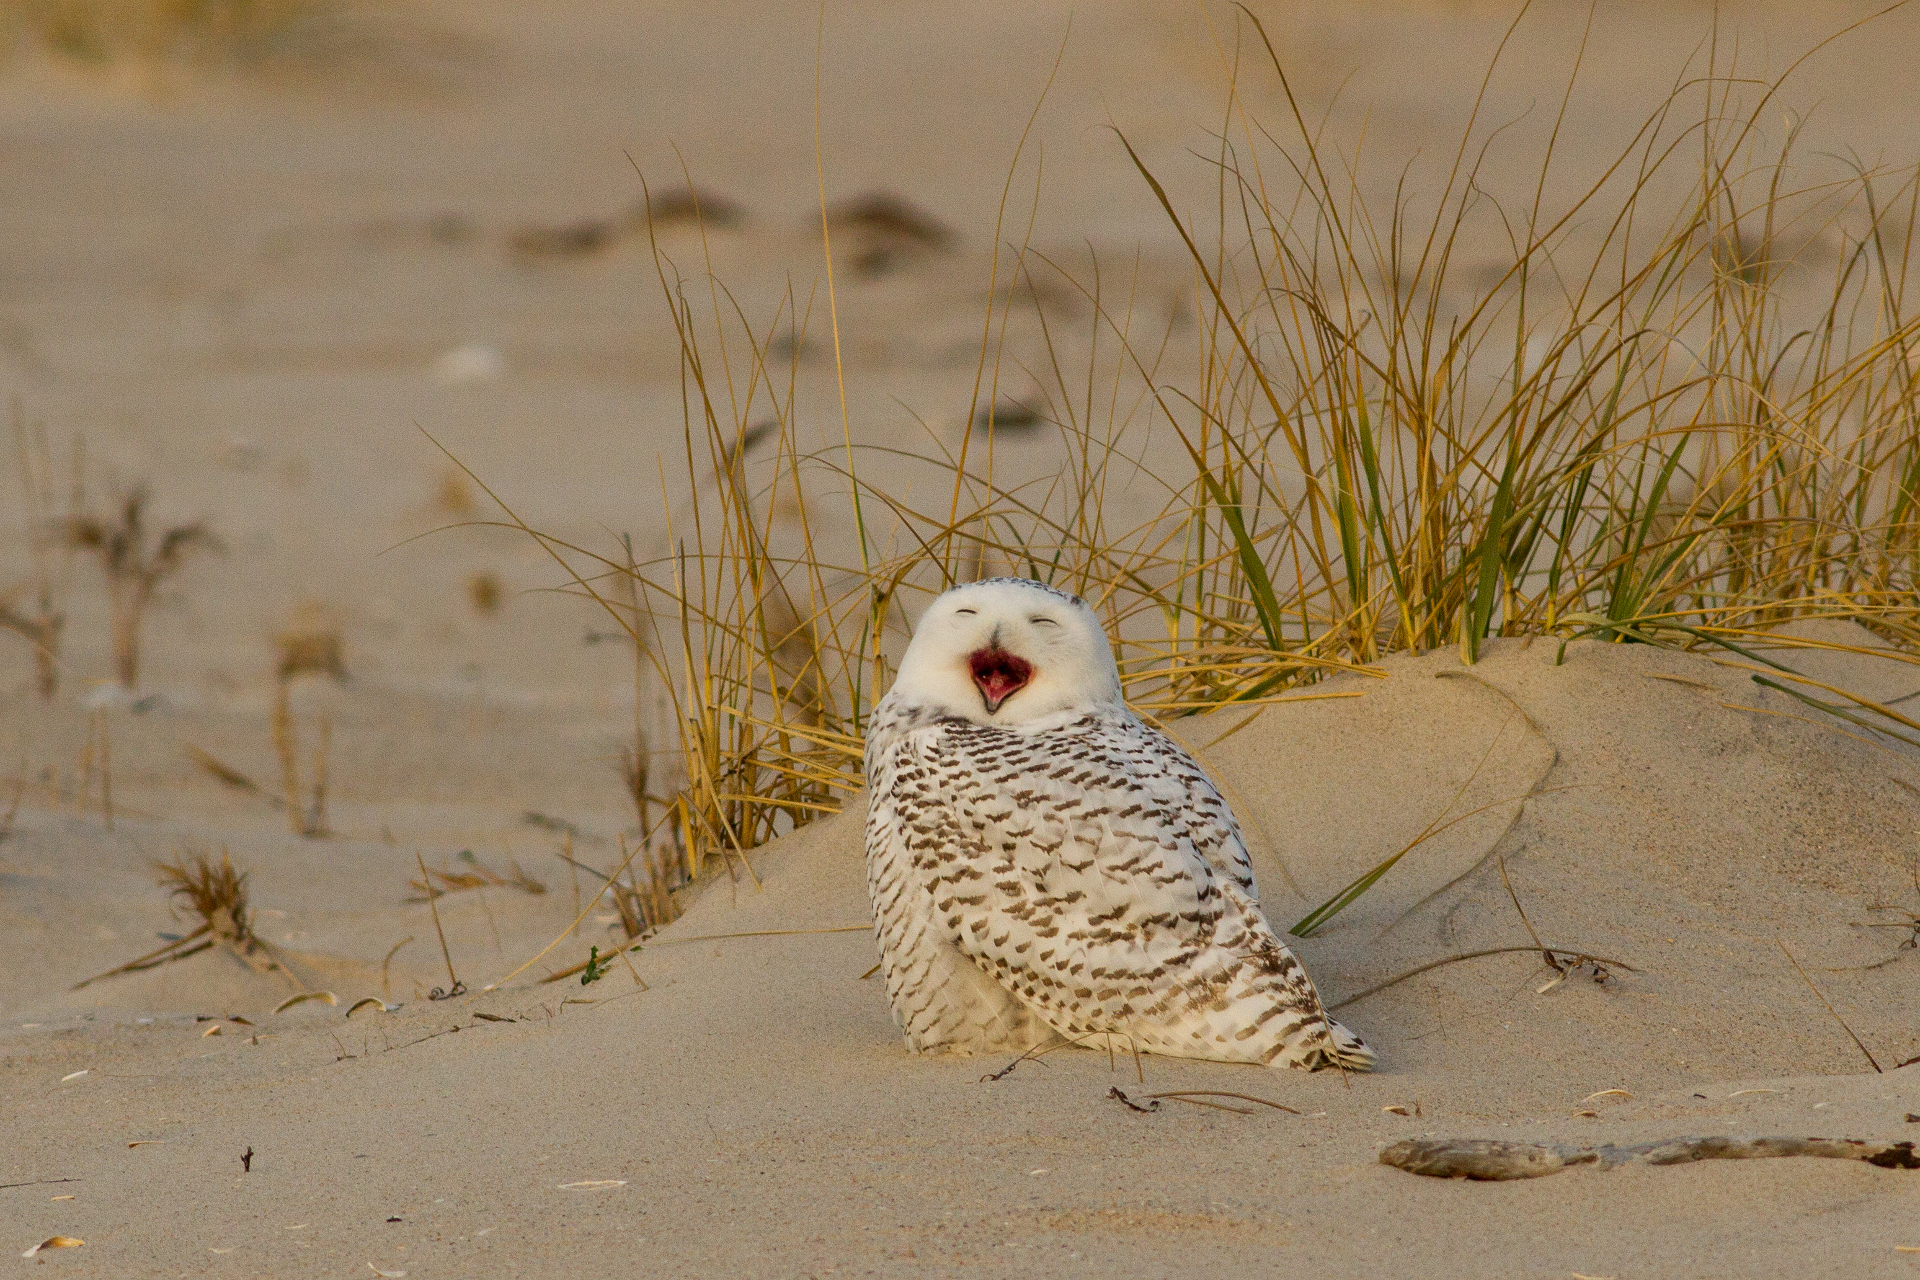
x=98, y=738
x=41, y=622
x=40, y=629
x=13, y=804
x=454, y=986
x=134, y=568
x=479, y=875
x=645, y=899
x=312, y=645
x=227, y=774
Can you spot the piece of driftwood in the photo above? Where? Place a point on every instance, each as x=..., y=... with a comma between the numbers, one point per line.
x=1490, y=1160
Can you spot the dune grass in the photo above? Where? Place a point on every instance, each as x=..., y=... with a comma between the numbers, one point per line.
x=1680, y=409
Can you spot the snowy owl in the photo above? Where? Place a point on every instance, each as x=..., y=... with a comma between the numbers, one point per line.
x=1042, y=863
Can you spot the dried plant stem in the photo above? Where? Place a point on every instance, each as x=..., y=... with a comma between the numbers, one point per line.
x=573, y=875
x=13, y=805
x=453, y=979
x=1857, y=1043
x=287, y=747
x=307, y=817
x=317, y=808
x=496, y=985
x=106, y=770
x=85, y=768
x=1570, y=953
x=386, y=987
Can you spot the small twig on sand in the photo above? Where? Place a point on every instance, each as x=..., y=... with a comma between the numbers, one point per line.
x=1190, y=1095
x=1031, y=1055
x=37, y=1182
x=1575, y=960
x=1488, y=1160
x=454, y=986
x=231, y=777
x=1115, y=1093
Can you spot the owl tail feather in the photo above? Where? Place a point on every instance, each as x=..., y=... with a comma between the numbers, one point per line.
x=1347, y=1052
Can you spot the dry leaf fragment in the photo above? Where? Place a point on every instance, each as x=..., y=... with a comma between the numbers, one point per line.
x=1607, y=1093
x=213, y=1030
x=1586, y=1113
x=375, y=1001
x=63, y=1197
x=326, y=997
x=147, y=1142
x=55, y=1242
x=1740, y=1092
x=1401, y=1109
x=592, y=1184
x=75, y=1075
x=1906, y=1248
x=390, y=1275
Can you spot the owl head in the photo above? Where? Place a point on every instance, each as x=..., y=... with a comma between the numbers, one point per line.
x=1007, y=651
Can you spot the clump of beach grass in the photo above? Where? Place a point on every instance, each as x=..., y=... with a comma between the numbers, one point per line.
x=1663, y=417
x=215, y=895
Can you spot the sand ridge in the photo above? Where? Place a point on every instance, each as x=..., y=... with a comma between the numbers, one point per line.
x=759, y=1078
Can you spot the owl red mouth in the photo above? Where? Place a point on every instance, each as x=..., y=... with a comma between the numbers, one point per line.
x=999, y=674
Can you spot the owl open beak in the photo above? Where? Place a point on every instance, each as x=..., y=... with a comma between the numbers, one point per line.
x=999, y=674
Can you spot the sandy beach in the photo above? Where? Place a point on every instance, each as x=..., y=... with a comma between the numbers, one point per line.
x=272, y=292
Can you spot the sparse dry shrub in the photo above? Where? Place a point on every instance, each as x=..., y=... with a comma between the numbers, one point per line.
x=134, y=566
x=215, y=895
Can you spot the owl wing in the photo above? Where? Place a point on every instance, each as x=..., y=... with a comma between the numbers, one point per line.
x=1096, y=873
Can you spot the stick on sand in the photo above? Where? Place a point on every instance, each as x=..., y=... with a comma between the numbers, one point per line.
x=1488, y=1160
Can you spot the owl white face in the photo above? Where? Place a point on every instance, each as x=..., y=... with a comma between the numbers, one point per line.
x=1007, y=651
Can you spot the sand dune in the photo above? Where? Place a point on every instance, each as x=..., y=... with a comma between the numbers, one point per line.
x=760, y=1117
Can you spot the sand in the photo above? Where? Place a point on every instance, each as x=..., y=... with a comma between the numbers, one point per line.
x=233, y=285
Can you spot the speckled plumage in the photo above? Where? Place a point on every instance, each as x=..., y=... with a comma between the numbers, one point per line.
x=1053, y=866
